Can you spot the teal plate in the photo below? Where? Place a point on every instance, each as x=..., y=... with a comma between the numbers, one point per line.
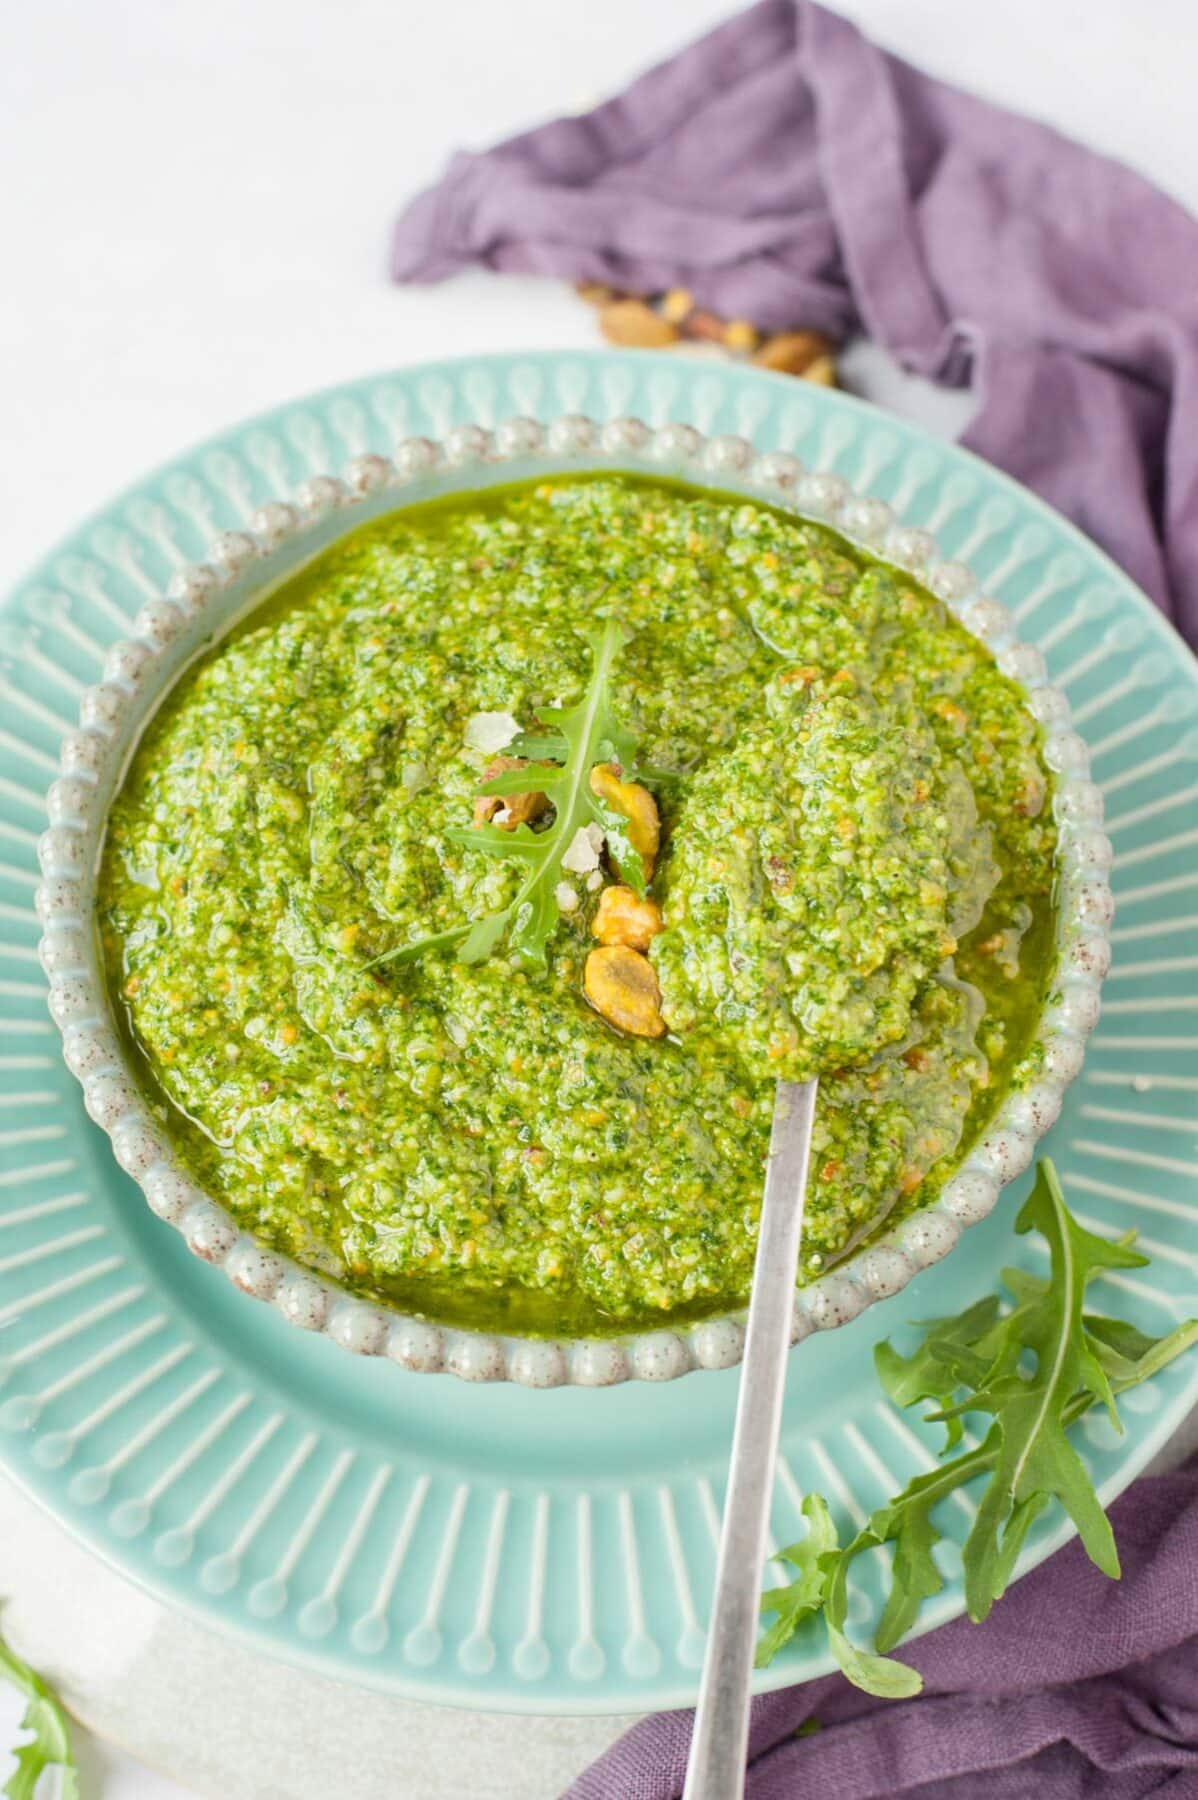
x=492, y=1546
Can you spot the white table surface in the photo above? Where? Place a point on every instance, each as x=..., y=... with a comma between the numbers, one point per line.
x=198, y=194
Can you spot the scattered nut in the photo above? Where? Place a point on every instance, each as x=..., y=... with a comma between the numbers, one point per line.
x=741, y=334
x=634, y=803
x=793, y=352
x=672, y=320
x=507, y=810
x=622, y=987
x=822, y=371
x=623, y=918
x=677, y=304
x=633, y=323
x=706, y=325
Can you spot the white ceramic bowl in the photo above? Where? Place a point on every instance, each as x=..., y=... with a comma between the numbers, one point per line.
x=203, y=600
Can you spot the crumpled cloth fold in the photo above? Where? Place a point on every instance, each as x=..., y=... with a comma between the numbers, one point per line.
x=786, y=170
x=1075, y=1688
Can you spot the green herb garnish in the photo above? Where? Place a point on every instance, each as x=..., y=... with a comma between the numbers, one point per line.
x=50, y=1746
x=975, y=1363
x=575, y=739
x=820, y=1587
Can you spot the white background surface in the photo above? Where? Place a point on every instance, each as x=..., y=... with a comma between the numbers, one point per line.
x=196, y=197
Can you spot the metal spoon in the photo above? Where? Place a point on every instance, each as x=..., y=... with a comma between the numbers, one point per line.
x=716, y=1767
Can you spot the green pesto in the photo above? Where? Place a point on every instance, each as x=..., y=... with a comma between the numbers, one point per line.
x=856, y=878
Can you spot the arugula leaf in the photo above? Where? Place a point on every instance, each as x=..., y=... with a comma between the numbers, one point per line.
x=1023, y=1516
x=1127, y=1355
x=551, y=746
x=407, y=953
x=479, y=940
x=620, y=846
x=572, y=740
x=929, y=1373
x=521, y=843
x=51, y=1742
x=880, y=1675
x=975, y=1363
x=804, y=1596
x=1023, y=1285
x=539, y=746
x=907, y=1520
x=820, y=1587
x=656, y=775
x=914, y=1576
x=1032, y=1454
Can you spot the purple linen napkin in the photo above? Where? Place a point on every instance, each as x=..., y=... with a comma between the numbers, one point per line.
x=786, y=170
x=1075, y=1688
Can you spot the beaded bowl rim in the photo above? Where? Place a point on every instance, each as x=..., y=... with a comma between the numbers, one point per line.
x=139, y=671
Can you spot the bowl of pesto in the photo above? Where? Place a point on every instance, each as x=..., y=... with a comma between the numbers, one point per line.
x=465, y=874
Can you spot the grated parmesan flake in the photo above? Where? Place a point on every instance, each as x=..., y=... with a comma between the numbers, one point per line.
x=582, y=853
x=490, y=731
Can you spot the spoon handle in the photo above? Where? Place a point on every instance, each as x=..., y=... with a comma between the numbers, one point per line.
x=716, y=1768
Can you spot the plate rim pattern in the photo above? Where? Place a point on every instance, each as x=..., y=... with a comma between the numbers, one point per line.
x=460, y=1568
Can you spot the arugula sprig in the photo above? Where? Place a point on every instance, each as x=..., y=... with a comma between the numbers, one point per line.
x=975, y=1363
x=1034, y=1462
x=50, y=1745
x=820, y=1588
x=570, y=743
